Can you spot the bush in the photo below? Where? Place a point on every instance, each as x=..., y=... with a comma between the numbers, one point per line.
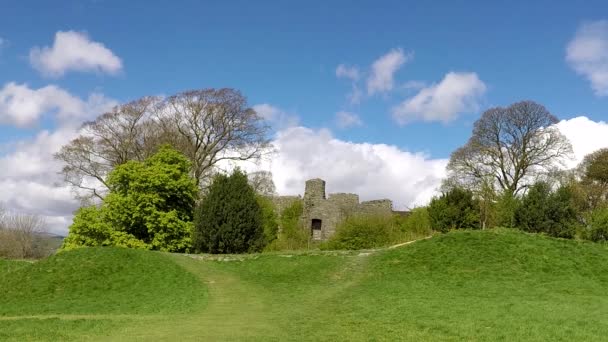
x=454, y=209
x=504, y=211
x=544, y=211
x=364, y=232
x=292, y=235
x=229, y=219
x=598, y=226
x=150, y=206
x=417, y=223
x=269, y=219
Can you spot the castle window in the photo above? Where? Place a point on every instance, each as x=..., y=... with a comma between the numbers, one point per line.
x=315, y=226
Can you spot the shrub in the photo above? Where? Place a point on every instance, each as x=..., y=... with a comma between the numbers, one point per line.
x=544, y=211
x=417, y=223
x=229, y=219
x=269, y=219
x=364, y=232
x=454, y=209
x=598, y=226
x=292, y=236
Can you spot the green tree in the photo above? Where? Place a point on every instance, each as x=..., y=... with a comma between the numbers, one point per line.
x=454, y=209
x=229, y=219
x=150, y=205
x=594, y=178
x=544, y=211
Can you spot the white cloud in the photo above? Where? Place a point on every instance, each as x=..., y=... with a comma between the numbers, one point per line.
x=585, y=135
x=381, y=78
x=74, y=51
x=373, y=171
x=277, y=117
x=587, y=54
x=22, y=106
x=347, y=120
x=344, y=71
x=455, y=94
x=30, y=180
x=29, y=176
x=352, y=73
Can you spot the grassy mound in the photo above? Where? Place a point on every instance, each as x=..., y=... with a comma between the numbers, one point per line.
x=99, y=281
x=466, y=285
x=483, y=285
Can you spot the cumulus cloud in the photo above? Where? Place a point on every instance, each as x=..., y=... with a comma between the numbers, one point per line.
x=585, y=135
x=277, y=117
x=373, y=171
x=347, y=119
x=444, y=101
x=29, y=176
x=23, y=106
x=30, y=180
x=381, y=78
x=74, y=51
x=587, y=54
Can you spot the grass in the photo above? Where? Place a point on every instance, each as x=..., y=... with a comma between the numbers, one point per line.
x=99, y=281
x=469, y=285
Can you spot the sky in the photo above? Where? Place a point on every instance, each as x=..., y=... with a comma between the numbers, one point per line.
x=372, y=96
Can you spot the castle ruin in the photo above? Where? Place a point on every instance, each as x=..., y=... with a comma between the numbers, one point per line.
x=322, y=214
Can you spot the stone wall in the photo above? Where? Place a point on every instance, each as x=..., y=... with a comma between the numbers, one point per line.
x=376, y=207
x=330, y=210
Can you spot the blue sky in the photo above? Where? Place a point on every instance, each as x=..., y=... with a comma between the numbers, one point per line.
x=285, y=56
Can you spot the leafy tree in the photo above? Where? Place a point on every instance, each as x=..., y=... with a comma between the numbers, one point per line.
x=504, y=210
x=594, y=178
x=150, y=205
x=229, y=219
x=544, y=211
x=454, y=209
x=509, y=145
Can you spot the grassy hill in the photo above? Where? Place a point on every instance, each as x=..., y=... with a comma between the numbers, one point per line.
x=471, y=285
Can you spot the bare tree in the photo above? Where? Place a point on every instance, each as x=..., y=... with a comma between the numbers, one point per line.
x=19, y=234
x=262, y=183
x=112, y=139
x=213, y=125
x=510, y=145
x=208, y=126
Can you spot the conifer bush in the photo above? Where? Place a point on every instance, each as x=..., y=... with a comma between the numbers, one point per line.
x=229, y=218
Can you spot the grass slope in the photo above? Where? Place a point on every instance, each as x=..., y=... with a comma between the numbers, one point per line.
x=471, y=285
x=99, y=281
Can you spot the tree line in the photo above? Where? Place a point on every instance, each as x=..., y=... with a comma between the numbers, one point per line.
x=148, y=174
x=511, y=174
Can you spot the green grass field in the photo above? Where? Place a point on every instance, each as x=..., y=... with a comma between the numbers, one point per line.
x=470, y=285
